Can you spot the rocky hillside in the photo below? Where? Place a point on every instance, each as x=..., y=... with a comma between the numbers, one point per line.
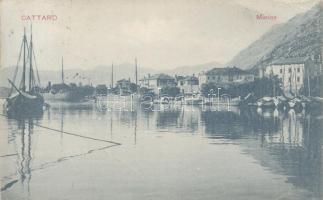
x=301, y=36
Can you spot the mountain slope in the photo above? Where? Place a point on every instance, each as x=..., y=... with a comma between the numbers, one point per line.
x=301, y=36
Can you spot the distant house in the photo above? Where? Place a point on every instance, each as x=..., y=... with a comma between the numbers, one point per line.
x=157, y=82
x=124, y=86
x=291, y=72
x=226, y=75
x=188, y=84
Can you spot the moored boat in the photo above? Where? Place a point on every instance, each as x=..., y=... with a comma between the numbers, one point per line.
x=69, y=95
x=280, y=102
x=67, y=92
x=25, y=99
x=22, y=103
x=193, y=100
x=267, y=102
x=295, y=103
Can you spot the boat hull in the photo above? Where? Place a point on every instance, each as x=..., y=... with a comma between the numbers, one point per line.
x=266, y=102
x=70, y=96
x=295, y=104
x=20, y=105
x=193, y=101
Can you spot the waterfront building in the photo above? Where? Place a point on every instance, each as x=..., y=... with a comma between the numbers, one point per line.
x=188, y=84
x=124, y=86
x=291, y=72
x=157, y=82
x=228, y=75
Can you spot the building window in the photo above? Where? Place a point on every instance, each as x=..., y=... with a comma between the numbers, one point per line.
x=298, y=79
x=290, y=70
x=281, y=71
x=298, y=69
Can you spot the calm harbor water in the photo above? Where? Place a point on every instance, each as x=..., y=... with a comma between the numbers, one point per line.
x=170, y=153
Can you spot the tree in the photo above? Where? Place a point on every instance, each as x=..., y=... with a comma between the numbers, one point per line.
x=259, y=88
x=170, y=91
x=208, y=88
x=133, y=88
x=145, y=91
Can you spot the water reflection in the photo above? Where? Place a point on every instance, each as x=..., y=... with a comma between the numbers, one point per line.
x=167, y=119
x=283, y=142
x=287, y=143
x=296, y=147
x=22, y=140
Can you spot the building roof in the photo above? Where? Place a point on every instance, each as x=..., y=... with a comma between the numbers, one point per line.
x=289, y=61
x=191, y=78
x=159, y=76
x=178, y=78
x=226, y=71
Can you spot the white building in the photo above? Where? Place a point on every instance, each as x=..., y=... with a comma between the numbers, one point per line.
x=157, y=82
x=188, y=84
x=290, y=72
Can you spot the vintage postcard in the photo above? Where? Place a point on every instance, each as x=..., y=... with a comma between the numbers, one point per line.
x=161, y=99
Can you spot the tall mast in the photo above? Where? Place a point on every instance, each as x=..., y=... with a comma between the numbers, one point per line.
x=191, y=79
x=136, y=72
x=30, y=59
x=308, y=84
x=112, y=76
x=63, y=80
x=24, y=64
x=321, y=44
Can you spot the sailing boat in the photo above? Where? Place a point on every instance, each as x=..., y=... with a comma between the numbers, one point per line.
x=26, y=98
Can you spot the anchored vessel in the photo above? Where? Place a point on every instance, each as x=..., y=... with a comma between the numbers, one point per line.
x=25, y=98
x=66, y=92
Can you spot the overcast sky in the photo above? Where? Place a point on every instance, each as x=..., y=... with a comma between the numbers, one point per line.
x=162, y=34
